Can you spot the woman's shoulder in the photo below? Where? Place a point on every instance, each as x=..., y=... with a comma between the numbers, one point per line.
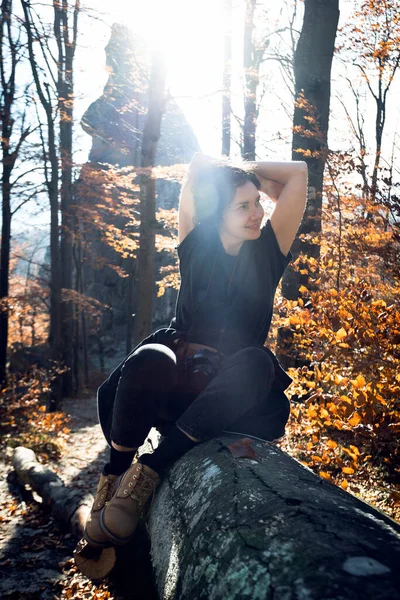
x=197, y=237
x=271, y=260
x=268, y=241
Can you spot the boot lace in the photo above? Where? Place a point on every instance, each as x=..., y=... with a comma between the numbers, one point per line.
x=139, y=490
x=105, y=492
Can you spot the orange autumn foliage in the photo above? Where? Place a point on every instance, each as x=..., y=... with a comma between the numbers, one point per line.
x=23, y=416
x=345, y=412
x=108, y=202
x=372, y=34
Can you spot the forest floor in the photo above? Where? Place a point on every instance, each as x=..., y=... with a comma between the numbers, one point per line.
x=36, y=552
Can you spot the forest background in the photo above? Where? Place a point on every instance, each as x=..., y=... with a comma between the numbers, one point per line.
x=315, y=81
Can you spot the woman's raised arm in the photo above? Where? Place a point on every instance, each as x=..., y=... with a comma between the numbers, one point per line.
x=187, y=209
x=290, y=201
x=186, y=218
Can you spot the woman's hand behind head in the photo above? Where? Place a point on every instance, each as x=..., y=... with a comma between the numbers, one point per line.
x=200, y=161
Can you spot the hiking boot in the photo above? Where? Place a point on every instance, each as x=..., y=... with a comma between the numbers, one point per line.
x=105, y=489
x=120, y=516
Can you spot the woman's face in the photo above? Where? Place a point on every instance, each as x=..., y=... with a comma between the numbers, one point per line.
x=242, y=218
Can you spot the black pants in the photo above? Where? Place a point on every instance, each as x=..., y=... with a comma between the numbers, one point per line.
x=152, y=386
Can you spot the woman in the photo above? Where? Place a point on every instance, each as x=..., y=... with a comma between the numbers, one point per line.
x=209, y=371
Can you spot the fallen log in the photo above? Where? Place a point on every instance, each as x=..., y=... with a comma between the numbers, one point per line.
x=238, y=518
x=67, y=505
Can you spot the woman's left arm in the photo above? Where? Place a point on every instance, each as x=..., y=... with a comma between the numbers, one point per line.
x=286, y=184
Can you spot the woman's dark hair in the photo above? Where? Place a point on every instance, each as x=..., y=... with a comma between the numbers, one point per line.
x=214, y=189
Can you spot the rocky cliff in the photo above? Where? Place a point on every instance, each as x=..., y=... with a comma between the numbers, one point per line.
x=115, y=123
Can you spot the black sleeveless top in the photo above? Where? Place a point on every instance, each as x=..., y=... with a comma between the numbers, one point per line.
x=227, y=301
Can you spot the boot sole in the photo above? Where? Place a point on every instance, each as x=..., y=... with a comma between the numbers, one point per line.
x=93, y=543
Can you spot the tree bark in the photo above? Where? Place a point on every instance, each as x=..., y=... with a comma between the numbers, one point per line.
x=312, y=66
x=80, y=319
x=52, y=179
x=147, y=250
x=8, y=93
x=264, y=526
x=130, y=300
x=69, y=506
x=252, y=58
x=9, y=158
x=227, y=77
x=65, y=95
x=251, y=81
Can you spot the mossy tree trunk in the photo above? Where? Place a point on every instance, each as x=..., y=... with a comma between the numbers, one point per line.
x=248, y=521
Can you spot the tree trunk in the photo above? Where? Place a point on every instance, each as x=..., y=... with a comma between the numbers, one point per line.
x=69, y=506
x=312, y=66
x=130, y=302
x=251, y=81
x=65, y=94
x=75, y=351
x=81, y=340
x=130, y=305
x=248, y=521
x=4, y=268
x=9, y=49
x=227, y=77
x=379, y=126
x=55, y=263
x=50, y=155
x=252, y=58
x=100, y=347
x=78, y=310
x=146, y=253
x=7, y=100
